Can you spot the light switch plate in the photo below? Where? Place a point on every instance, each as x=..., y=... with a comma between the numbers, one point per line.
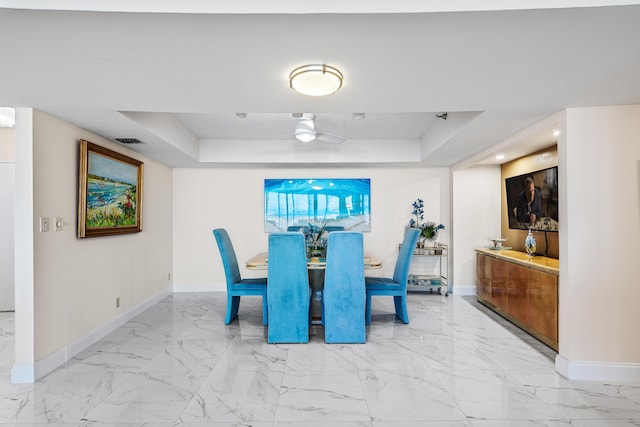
x=44, y=224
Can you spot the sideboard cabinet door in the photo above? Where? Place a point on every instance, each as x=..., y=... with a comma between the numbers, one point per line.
x=499, y=274
x=518, y=296
x=543, y=304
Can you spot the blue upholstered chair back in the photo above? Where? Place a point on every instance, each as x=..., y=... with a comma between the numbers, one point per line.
x=401, y=271
x=236, y=286
x=344, y=289
x=331, y=228
x=229, y=259
x=288, y=289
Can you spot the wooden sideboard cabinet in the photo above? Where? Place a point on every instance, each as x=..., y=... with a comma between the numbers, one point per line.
x=522, y=289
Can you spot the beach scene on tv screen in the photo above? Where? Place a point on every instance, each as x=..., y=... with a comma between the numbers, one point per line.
x=340, y=202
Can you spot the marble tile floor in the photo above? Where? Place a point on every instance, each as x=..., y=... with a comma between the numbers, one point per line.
x=455, y=364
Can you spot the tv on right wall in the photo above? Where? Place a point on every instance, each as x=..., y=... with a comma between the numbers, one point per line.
x=532, y=200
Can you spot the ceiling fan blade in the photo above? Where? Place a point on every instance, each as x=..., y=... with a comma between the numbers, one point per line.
x=327, y=137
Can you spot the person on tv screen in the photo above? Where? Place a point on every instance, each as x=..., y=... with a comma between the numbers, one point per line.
x=529, y=207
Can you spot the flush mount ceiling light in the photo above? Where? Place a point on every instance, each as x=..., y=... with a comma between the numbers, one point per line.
x=316, y=80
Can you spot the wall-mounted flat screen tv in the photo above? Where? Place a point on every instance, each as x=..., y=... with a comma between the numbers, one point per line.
x=532, y=200
x=340, y=203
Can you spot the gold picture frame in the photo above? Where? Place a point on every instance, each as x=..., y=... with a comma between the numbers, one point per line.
x=110, y=192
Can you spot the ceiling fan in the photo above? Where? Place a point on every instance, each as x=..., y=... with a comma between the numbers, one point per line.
x=306, y=130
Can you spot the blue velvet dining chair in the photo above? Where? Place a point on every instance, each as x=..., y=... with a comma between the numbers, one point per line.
x=236, y=285
x=288, y=291
x=395, y=286
x=344, y=289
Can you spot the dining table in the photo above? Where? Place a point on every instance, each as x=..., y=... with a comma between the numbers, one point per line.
x=261, y=262
x=316, y=267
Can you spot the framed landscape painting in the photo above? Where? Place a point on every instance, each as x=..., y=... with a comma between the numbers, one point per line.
x=110, y=192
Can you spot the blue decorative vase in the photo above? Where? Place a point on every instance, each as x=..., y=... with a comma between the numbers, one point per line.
x=530, y=244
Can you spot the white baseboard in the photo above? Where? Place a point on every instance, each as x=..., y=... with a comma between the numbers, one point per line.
x=31, y=373
x=199, y=287
x=598, y=371
x=463, y=290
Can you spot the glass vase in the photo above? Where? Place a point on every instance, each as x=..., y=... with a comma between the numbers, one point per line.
x=530, y=244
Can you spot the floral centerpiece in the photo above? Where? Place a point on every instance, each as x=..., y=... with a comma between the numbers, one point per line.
x=315, y=239
x=429, y=229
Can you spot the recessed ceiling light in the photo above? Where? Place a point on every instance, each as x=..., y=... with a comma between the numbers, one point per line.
x=500, y=157
x=316, y=80
x=556, y=132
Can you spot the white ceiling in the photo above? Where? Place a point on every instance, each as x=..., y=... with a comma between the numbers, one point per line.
x=174, y=75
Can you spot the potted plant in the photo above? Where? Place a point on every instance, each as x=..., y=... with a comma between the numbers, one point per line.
x=429, y=229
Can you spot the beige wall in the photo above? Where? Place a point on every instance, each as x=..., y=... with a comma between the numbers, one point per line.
x=476, y=218
x=533, y=162
x=599, y=292
x=7, y=146
x=76, y=280
x=7, y=204
x=233, y=199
